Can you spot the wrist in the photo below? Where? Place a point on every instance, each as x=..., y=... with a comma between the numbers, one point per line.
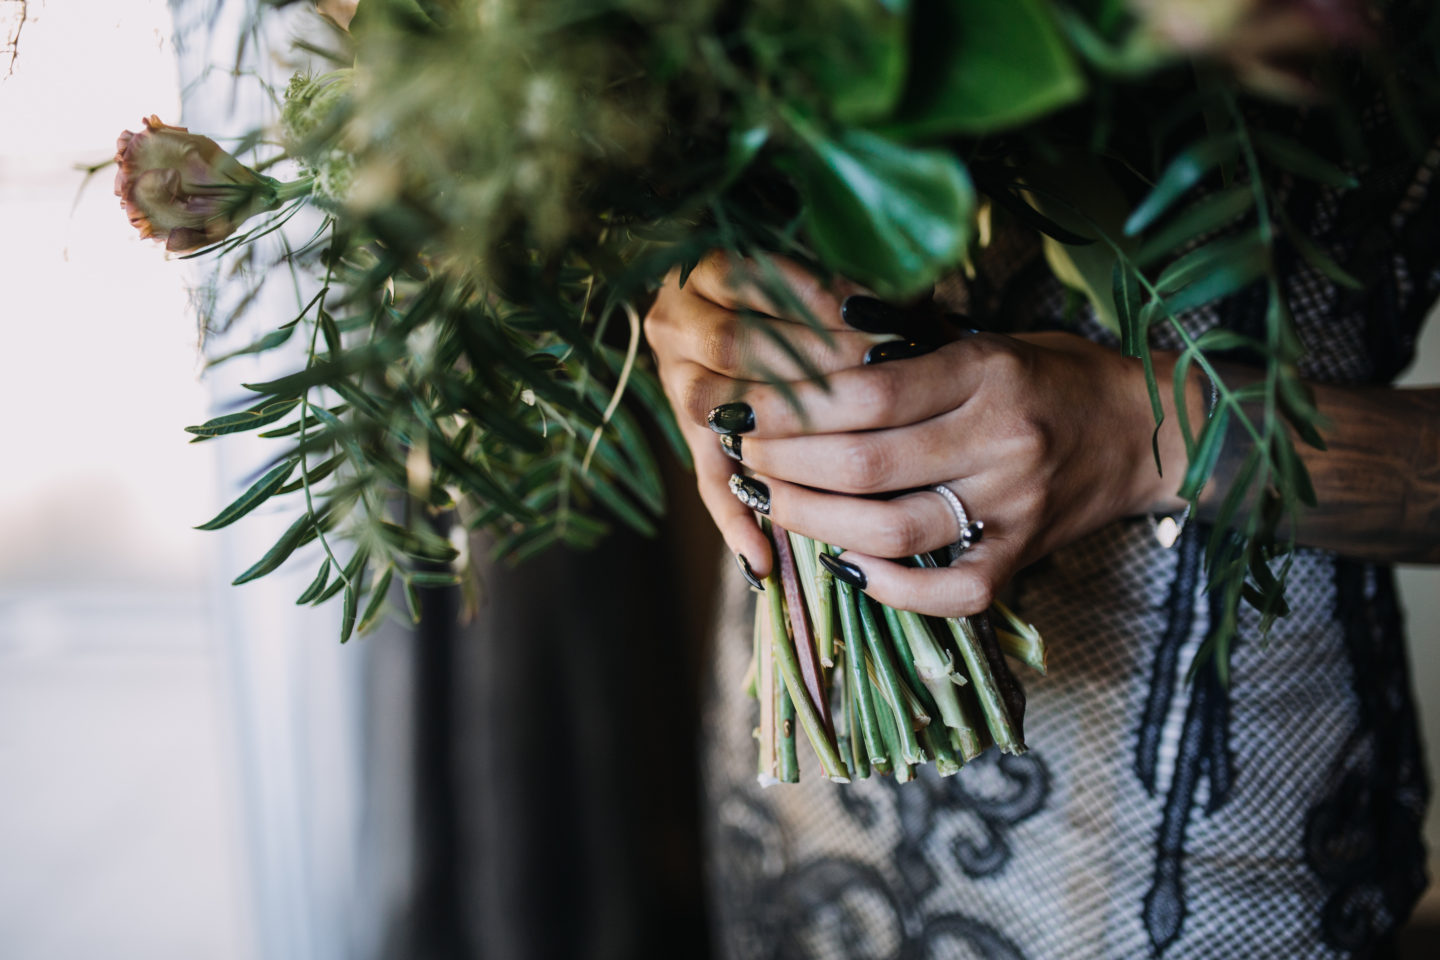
x=1156, y=490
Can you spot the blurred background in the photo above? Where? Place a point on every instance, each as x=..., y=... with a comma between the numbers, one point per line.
x=190, y=770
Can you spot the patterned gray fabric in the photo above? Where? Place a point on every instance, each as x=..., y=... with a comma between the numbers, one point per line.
x=1277, y=819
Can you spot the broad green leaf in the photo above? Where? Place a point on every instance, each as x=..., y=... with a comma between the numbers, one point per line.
x=260, y=491
x=891, y=217
x=858, y=61
x=257, y=416
x=316, y=585
x=1300, y=160
x=1186, y=170
x=1204, y=216
x=981, y=66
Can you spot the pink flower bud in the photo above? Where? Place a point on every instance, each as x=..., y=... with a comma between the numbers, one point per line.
x=182, y=188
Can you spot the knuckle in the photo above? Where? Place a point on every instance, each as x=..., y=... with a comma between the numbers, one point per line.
x=862, y=466
x=899, y=534
x=720, y=350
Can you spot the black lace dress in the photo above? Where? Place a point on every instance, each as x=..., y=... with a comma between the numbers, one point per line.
x=1278, y=818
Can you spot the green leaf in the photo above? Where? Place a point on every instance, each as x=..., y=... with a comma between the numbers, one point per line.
x=412, y=601
x=260, y=491
x=270, y=341
x=858, y=62
x=889, y=216
x=1234, y=497
x=347, y=575
x=1300, y=160
x=431, y=578
x=1206, y=259
x=316, y=474
x=378, y=593
x=1293, y=469
x=1126, y=292
x=1204, y=216
x=299, y=532
x=1223, y=281
x=1186, y=170
x=1316, y=257
x=316, y=585
x=1207, y=453
x=257, y=416
x=347, y=616
x=981, y=66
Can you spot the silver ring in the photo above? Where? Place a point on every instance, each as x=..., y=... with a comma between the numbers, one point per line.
x=970, y=530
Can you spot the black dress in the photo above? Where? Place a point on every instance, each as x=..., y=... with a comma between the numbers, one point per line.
x=1278, y=818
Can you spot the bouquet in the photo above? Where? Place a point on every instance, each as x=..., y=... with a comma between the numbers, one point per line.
x=501, y=186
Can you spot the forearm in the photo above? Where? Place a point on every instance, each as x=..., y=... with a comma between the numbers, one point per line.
x=1378, y=482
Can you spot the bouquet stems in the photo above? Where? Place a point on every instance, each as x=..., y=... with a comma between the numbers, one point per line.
x=874, y=688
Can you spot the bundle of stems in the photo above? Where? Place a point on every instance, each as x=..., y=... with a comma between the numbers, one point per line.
x=876, y=688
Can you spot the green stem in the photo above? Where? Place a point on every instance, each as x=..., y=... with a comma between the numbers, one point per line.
x=889, y=682
x=789, y=667
x=789, y=764
x=858, y=676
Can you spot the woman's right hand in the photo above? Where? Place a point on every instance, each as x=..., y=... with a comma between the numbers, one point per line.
x=710, y=346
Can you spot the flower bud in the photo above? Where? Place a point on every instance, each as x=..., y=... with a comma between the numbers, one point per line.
x=182, y=188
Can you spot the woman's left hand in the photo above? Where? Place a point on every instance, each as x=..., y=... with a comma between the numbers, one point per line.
x=1043, y=437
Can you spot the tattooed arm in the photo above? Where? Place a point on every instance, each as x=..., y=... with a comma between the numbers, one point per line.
x=1378, y=483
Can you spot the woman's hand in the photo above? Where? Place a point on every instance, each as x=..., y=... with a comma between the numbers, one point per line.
x=1044, y=438
x=710, y=352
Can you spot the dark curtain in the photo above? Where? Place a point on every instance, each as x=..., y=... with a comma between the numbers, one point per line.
x=552, y=778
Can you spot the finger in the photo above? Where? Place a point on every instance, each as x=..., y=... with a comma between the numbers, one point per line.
x=740, y=283
x=748, y=348
x=899, y=527
x=963, y=589
x=735, y=521
x=868, y=397
x=874, y=461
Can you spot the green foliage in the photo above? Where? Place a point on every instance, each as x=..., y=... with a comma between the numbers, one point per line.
x=505, y=183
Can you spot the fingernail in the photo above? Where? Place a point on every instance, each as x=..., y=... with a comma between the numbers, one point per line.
x=869, y=315
x=845, y=570
x=732, y=418
x=747, y=573
x=730, y=443
x=898, y=350
x=751, y=492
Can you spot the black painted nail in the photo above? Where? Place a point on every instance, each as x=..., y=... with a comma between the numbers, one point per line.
x=730, y=443
x=751, y=492
x=747, y=573
x=869, y=315
x=845, y=570
x=732, y=418
x=898, y=350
